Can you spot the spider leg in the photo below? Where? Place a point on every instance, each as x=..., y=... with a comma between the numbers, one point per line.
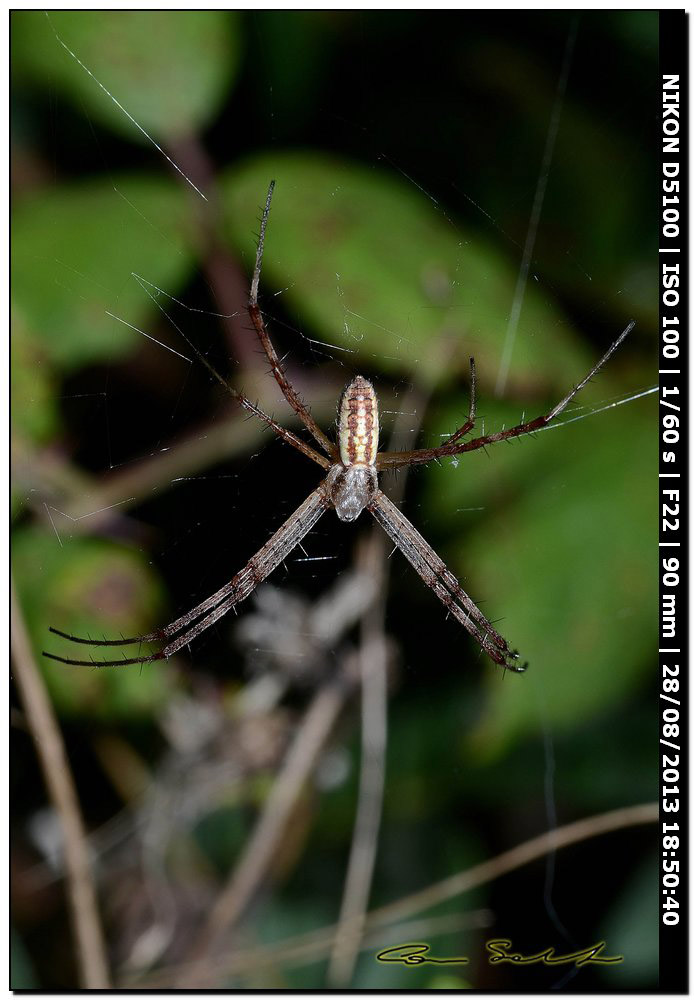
x=125, y=662
x=182, y=631
x=470, y=422
x=282, y=432
x=439, y=578
x=242, y=400
x=288, y=391
x=391, y=460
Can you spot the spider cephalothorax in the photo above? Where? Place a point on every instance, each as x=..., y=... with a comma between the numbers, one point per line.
x=351, y=486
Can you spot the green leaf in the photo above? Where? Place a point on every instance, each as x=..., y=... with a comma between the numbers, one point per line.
x=34, y=409
x=73, y=251
x=170, y=70
x=447, y=981
x=219, y=835
x=23, y=974
x=566, y=558
x=90, y=587
x=631, y=929
x=373, y=266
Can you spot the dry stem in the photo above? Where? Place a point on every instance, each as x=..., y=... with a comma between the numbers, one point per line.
x=82, y=904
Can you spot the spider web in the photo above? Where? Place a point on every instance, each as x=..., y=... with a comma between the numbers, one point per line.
x=198, y=502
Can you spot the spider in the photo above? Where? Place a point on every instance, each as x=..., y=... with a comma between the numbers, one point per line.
x=350, y=486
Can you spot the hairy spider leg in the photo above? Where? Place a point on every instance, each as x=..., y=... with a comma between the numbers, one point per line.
x=393, y=459
x=242, y=400
x=288, y=390
x=275, y=550
x=439, y=578
x=472, y=411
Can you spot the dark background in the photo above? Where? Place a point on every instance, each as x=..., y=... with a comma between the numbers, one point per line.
x=407, y=149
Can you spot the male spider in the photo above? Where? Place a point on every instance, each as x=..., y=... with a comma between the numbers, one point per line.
x=350, y=487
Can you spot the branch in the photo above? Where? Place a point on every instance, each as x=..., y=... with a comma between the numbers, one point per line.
x=312, y=733
x=530, y=850
x=373, y=663
x=43, y=725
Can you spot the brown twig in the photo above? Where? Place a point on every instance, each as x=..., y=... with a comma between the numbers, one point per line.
x=526, y=852
x=82, y=903
x=373, y=663
x=224, y=275
x=312, y=733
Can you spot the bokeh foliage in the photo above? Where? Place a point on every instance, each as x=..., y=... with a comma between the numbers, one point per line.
x=400, y=280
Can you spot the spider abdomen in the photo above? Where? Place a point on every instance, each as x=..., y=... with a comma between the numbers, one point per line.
x=358, y=425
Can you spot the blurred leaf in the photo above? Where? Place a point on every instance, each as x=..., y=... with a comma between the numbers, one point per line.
x=220, y=836
x=298, y=83
x=566, y=557
x=639, y=31
x=420, y=737
x=372, y=265
x=34, y=410
x=591, y=245
x=631, y=928
x=73, y=251
x=283, y=916
x=23, y=975
x=444, y=981
x=592, y=775
x=170, y=70
x=90, y=587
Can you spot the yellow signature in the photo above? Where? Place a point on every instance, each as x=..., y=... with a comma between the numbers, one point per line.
x=417, y=953
x=587, y=956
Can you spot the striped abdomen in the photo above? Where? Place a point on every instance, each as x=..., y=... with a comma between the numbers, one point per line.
x=358, y=427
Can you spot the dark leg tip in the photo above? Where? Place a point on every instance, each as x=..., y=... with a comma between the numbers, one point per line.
x=518, y=668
